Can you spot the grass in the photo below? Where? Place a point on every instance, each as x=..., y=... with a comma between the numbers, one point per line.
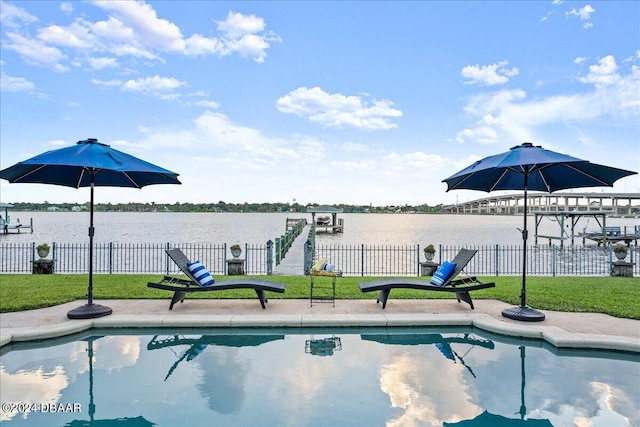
x=615, y=296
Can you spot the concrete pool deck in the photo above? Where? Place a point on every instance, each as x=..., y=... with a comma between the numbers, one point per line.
x=563, y=330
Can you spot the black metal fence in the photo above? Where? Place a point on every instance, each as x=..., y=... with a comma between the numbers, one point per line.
x=491, y=260
x=127, y=258
x=352, y=260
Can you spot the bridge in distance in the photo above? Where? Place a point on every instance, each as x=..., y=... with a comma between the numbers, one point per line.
x=619, y=204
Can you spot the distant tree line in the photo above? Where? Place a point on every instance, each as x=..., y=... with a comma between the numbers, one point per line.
x=221, y=206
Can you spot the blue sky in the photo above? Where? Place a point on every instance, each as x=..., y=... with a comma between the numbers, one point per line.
x=328, y=102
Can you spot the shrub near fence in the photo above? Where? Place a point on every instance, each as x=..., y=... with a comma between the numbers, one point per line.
x=354, y=260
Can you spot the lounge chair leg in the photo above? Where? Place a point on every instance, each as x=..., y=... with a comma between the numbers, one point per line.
x=383, y=296
x=464, y=296
x=177, y=297
x=262, y=297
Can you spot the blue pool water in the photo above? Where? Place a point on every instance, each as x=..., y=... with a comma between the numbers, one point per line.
x=313, y=377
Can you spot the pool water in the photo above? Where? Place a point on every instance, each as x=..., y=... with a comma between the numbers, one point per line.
x=313, y=377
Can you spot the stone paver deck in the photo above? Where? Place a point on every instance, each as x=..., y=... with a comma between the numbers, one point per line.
x=563, y=330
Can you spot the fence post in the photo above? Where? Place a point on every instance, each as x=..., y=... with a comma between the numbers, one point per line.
x=497, y=260
x=269, y=257
x=308, y=257
x=418, y=260
x=53, y=256
x=110, y=257
x=362, y=259
x=278, y=244
x=166, y=259
x=554, y=260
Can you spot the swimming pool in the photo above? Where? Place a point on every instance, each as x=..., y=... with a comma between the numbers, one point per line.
x=313, y=377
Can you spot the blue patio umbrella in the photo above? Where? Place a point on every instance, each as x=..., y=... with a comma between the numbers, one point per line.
x=528, y=167
x=89, y=163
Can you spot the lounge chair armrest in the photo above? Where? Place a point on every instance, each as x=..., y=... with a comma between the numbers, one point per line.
x=177, y=280
x=464, y=281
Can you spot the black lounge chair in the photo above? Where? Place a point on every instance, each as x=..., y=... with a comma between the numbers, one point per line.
x=181, y=287
x=460, y=287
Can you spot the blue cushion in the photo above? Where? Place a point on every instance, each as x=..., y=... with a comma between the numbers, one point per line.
x=201, y=273
x=443, y=273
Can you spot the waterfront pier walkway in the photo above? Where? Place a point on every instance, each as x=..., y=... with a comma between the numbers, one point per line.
x=293, y=262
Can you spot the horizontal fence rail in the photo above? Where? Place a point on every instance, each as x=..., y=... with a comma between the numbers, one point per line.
x=352, y=260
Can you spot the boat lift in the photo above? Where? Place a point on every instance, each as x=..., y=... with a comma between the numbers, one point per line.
x=5, y=221
x=570, y=218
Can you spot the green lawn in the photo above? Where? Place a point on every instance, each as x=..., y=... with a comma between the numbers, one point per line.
x=616, y=296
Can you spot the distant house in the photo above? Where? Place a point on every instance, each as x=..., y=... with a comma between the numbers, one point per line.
x=53, y=208
x=76, y=208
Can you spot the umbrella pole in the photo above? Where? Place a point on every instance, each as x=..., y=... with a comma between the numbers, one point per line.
x=522, y=312
x=91, y=233
x=90, y=310
x=525, y=236
x=523, y=408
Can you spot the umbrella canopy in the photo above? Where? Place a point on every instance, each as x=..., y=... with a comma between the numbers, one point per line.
x=528, y=167
x=76, y=165
x=87, y=164
x=487, y=419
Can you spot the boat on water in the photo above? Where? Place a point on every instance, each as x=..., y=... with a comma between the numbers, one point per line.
x=612, y=235
x=323, y=220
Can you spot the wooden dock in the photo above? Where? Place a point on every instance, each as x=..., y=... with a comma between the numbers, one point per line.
x=293, y=263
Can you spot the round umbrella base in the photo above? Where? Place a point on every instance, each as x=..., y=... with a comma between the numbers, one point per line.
x=524, y=313
x=89, y=311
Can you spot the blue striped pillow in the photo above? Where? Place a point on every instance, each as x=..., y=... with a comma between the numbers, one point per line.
x=442, y=273
x=201, y=273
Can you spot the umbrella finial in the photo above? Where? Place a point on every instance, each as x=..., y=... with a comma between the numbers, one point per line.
x=526, y=145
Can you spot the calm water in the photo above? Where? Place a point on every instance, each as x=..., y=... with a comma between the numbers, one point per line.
x=315, y=377
x=257, y=228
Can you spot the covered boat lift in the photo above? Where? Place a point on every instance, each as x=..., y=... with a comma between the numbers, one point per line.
x=334, y=225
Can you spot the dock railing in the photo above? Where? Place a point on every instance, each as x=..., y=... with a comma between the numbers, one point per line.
x=283, y=243
x=352, y=260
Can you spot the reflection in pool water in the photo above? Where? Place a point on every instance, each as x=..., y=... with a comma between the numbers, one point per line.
x=269, y=377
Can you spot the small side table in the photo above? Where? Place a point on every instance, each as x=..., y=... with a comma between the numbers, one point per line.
x=235, y=267
x=333, y=275
x=428, y=268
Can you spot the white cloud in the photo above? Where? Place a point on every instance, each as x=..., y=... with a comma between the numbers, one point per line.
x=584, y=13
x=14, y=17
x=208, y=104
x=15, y=84
x=35, y=52
x=337, y=110
x=66, y=7
x=133, y=29
x=152, y=31
x=488, y=75
x=155, y=85
x=75, y=36
x=510, y=116
x=108, y=83
x=100, y=63
x=238, y=25
x=603, y=73
x=245, y=35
